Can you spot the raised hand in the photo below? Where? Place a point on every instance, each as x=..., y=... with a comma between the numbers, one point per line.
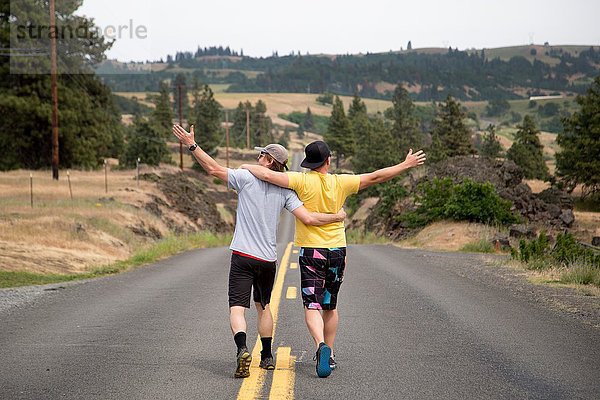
x=416, y=159
x=185, y=137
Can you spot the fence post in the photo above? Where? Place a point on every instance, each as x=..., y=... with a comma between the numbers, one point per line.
x=137, y=173
x=70, y=189
x=105, y=177
x=31, y=188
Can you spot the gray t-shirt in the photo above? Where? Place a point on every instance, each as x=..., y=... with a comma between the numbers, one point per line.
x=258, y=210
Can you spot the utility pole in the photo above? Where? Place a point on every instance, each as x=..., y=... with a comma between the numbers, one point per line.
x=54, y=89
x=227, y=136
x=247, y=128
x=181, y=124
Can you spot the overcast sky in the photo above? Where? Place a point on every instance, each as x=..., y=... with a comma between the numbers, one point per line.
x=260, y=27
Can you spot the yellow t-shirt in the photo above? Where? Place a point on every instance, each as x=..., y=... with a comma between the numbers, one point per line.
x=324, y=193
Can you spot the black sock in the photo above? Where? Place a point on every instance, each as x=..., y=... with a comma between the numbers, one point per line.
x=240, y=340
x=266, y=347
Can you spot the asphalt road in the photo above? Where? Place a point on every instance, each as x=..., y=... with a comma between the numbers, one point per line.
x=411, y=327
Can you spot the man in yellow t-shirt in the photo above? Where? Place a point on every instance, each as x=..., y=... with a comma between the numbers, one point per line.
x=323, y=248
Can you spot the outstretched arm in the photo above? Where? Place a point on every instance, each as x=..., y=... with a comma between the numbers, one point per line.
x=385, y=174
x=317, y=219
x=206, y=161
x=267, y=175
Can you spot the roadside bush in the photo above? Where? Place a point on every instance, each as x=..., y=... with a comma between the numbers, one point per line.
x=582, y=264
x=536, y=249
x=467, y=201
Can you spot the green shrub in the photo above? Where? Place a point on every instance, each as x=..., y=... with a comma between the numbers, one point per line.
x=568, y=252
x=583, y=265
x=467, y=201
x=476, y=202
x=482, y=246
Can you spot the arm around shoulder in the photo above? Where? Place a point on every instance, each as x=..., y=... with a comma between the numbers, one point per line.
x=267, y=175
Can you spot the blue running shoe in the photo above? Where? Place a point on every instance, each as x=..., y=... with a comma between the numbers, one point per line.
x=322, y=356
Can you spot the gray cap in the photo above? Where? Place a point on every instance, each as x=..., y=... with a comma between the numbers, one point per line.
x=277, y=151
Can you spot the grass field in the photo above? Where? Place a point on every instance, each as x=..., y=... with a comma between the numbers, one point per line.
x=64, y=237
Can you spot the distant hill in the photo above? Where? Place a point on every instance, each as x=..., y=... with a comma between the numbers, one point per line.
x=429, y=74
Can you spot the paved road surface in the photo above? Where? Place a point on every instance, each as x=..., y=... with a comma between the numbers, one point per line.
x=411, y=327
x=414, y=325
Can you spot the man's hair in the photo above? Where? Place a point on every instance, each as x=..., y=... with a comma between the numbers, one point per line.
x=275, y=165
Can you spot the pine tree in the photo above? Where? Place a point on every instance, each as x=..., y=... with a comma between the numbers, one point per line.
x=370, y=154
x=357, y=107
x=308, y=122
x=237, y=132
x=491, y=146
x=338, y=135
x=448, y=127
x=207, y=121
x=261, y=125
x=89, y=123
x=578, y=162
x=527, y=151
x=144, y=141
x=406, y=125
x=357, y=114
x=162, y=115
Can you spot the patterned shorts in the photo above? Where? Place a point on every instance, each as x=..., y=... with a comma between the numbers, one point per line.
x=321, y=273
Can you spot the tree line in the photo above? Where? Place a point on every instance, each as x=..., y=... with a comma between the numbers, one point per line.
x=464, y=75
x=373, y=141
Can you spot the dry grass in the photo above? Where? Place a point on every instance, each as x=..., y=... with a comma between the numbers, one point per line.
x=449, y=236
x=63, y=236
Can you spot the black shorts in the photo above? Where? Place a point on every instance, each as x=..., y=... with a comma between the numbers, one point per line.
x=321, y=274
x=245, y=273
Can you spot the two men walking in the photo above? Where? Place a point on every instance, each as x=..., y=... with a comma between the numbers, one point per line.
x=316, y=199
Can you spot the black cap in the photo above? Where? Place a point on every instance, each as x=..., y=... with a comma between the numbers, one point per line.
x=316, y=154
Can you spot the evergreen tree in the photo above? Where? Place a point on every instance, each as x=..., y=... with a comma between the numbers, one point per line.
x=162, y=115
x=207, y=121
x=284, y=140
x=370, y=154
x=338, y=135
x=261, y=125
x=357, y=112
x=300, y=132
x=89, y=123
x=357, y=107
x=578, y=162
x=409, y=45
x=237, y=132
x=437, y=151
x=448, y=127
x=491, y=146
x=308, y=123
x=180, y=81
x=144, y=141
x=527, y=151
x=406, y=125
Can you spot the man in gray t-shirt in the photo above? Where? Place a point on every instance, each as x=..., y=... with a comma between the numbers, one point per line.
x=254, y=256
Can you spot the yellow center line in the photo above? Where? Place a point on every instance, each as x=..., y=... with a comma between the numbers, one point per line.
x=293, y=266
x=291, y=293
x=283, y=376
x=252, y=385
